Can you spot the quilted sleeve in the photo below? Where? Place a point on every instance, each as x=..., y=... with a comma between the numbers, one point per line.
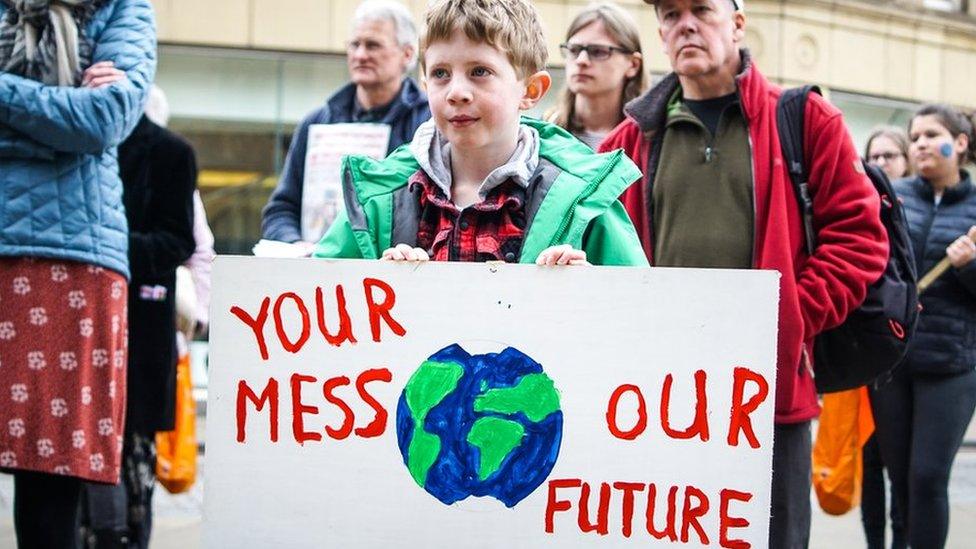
x=14, y=144
x=83, y=120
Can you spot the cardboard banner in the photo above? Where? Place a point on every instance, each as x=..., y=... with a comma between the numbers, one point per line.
x=373, y=404
x=321, y=186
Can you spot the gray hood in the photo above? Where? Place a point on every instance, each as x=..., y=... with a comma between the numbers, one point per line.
x=433, y=153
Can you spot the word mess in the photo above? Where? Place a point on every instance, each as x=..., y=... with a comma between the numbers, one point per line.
x=270, y=397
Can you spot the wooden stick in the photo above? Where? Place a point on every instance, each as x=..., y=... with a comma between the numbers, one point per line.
x=931, y=276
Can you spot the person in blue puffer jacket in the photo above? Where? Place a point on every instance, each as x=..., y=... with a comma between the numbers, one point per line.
x=922, y=414
x=64, y=247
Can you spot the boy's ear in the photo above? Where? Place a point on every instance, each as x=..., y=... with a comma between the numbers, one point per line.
x=536, y=87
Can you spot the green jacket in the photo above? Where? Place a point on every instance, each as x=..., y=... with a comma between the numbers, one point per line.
x=572, y=199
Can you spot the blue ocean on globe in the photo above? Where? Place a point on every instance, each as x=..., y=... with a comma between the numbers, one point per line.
x=479, y=425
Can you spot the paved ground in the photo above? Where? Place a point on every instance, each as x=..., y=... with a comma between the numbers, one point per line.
x=179, y=518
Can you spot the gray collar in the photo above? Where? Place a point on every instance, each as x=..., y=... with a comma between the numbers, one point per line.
x=433, y=153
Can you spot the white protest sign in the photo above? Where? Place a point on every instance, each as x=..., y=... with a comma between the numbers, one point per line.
x=375, y=404
x=322, y=186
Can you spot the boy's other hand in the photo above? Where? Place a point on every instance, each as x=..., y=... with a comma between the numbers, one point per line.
x=101, y=74
x=405, y=252
x=562, y=255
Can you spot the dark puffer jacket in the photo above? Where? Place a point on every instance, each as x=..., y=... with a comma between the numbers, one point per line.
x=945, y=341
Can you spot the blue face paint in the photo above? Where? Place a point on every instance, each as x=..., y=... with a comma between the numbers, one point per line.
x=946, y=150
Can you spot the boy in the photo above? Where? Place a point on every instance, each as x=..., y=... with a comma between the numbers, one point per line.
x=478, y=183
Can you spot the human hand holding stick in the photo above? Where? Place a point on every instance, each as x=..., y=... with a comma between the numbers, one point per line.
x=958, y=254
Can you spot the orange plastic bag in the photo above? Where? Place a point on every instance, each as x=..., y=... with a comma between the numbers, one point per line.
x=176, y=450
x=845, y=426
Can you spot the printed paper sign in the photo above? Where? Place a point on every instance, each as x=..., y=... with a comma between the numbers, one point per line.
x=322, y=187
x=374, y=404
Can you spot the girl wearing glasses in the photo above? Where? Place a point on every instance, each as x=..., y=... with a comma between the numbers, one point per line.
x=604, y=70
x=887, y=148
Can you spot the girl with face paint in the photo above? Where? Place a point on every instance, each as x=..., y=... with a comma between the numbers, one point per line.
x=922, y=414
x=941, y=142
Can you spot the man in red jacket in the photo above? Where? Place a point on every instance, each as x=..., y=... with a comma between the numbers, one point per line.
x=716, y=193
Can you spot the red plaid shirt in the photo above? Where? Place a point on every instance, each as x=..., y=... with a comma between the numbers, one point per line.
x=491, y=230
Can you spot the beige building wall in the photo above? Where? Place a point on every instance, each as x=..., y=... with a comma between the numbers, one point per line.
x=894, y=49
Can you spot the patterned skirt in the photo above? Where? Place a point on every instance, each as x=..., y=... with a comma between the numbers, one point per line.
x=62, y=368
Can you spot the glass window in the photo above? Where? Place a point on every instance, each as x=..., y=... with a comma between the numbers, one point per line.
x=239, y=108
x=863, y=113
x=955, y=6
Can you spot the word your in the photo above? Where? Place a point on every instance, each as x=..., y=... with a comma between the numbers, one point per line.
x=379, y=310
x=270, y=395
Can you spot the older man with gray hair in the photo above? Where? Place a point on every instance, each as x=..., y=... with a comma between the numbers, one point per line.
x=381, y=50
x=717, y=193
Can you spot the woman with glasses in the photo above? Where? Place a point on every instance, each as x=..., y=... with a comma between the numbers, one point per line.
x=604, y=70
x=887, y=148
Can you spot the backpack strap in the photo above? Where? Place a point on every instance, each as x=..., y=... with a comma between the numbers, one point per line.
x=790, y=111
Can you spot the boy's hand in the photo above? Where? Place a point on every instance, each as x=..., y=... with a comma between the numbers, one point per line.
x=101, y=74
x=562, y=255
x=404, y=252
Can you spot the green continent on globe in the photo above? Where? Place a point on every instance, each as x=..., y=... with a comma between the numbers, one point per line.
x=427, y=387
x=535, y=396
x=495, y=438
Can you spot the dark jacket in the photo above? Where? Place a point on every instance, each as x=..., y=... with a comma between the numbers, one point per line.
x=945, y=340
x=282, y=217
x=159, y=175
x=816, y=292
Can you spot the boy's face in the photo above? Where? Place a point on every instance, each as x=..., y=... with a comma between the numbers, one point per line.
x=475, y=94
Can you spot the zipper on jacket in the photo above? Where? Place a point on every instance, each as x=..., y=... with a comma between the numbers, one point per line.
x=752, y=175
x=710, y=146
x=587, y=191
x=928, y=231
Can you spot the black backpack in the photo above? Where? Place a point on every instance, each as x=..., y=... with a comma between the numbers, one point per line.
x=873, y=339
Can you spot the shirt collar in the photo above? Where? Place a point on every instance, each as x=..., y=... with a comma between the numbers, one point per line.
x=433, y=153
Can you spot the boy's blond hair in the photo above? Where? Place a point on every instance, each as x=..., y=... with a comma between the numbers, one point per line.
x=511, y=26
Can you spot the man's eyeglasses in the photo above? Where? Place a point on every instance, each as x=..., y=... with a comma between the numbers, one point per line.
x=596, y=52
x=887, y=156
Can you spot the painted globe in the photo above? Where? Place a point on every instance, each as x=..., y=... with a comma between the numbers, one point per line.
x=485, y=425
